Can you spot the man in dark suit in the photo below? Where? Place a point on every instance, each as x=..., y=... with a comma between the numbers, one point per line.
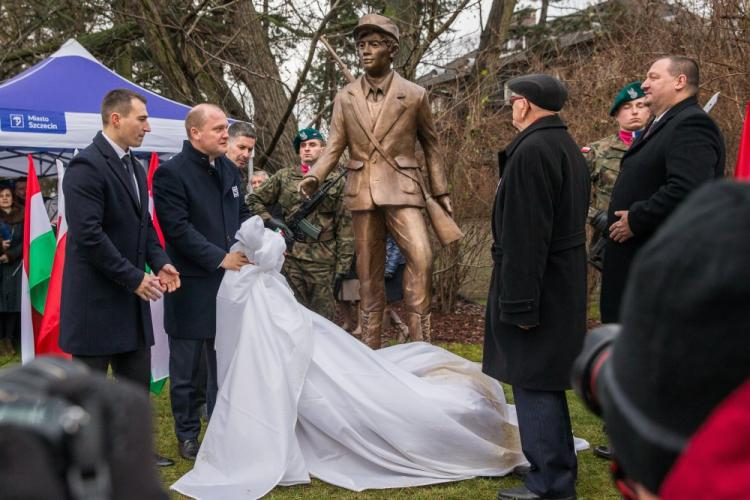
x=536, y=307
x=680, y=149
x=105, y=316
x=199, y=203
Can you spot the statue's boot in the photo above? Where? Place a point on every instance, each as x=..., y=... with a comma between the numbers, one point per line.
x=420, y=328
x=372, y=328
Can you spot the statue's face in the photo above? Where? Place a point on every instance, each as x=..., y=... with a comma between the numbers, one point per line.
x=374, y=50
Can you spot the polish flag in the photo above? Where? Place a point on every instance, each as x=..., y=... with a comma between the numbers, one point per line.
x=38, y=254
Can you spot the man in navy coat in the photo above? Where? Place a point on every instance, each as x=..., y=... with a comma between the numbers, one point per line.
x=105, y=316
x=680, y=149
x=198, y=201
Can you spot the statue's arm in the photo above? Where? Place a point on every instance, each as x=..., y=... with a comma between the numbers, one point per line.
x=427, y=136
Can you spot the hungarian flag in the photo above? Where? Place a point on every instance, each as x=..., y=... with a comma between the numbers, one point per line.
x=49, y=333
x=38, y=253
x=160, y=349
x=742, y=170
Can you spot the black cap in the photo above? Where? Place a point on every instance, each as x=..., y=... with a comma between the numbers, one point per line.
x=545, y=91
x=685, y=341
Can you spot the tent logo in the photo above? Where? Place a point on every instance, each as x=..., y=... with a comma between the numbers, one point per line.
x=16, y=121
x=38, y=122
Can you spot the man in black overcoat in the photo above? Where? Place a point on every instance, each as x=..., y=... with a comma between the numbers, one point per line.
x=105, y=317
x=199, y=204
x=536, y=308
x=680, y=149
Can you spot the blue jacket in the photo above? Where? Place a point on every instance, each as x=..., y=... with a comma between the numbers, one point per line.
x=200, y=208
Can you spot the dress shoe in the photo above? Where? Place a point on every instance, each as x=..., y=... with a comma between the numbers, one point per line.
x=163, y=461
x=189, y=449
x=604, y=451
x=523, y=493
x=521, y=470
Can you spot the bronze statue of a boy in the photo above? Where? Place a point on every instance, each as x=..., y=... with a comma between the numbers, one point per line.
x=380, y=116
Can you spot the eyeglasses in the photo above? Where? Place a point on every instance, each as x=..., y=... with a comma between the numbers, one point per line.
x=514, y=98
x=375, y=44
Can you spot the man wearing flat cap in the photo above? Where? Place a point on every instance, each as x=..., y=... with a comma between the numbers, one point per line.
x=380, y=116
x=312, y=267
x=536, y=308
x=603, y=157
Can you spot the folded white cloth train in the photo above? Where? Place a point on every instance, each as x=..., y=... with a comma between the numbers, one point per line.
x=298, y=396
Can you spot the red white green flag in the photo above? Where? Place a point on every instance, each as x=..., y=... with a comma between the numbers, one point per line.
x=47, y=340
x=38, y=253
x=160, y=349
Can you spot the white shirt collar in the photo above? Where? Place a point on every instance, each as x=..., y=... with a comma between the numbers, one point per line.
x=120, y=152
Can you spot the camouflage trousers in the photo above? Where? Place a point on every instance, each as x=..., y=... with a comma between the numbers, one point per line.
x=312, y=285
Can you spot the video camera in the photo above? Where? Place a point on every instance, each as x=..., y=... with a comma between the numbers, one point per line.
x=82, y=436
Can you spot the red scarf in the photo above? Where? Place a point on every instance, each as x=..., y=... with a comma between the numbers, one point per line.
x=305, y=168
x=627, y=137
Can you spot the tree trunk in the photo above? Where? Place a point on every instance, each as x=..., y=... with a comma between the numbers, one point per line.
x=405, y=13
x=495, y=33
x=543, y=13
x=260, y=74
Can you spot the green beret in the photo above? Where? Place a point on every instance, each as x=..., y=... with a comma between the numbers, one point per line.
x=629, y=92
x=307, y=134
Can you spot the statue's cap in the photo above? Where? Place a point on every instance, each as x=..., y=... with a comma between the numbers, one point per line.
x=378, y=23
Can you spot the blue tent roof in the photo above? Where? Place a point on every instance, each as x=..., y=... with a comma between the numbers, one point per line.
x=53, y=108
x=72, y=81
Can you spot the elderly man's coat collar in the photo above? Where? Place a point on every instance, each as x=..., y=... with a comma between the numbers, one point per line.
x=552, y=121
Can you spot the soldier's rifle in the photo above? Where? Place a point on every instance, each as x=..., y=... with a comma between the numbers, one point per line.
x=297, y=227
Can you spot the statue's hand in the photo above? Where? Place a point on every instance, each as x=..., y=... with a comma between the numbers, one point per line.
x=307, y=187
x=445, y=202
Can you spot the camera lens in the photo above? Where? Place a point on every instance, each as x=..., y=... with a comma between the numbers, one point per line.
x=595, y=354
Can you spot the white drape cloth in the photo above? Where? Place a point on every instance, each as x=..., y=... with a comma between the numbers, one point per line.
x=298, y=396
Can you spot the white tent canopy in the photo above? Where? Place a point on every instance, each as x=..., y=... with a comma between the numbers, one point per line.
x=53, y=108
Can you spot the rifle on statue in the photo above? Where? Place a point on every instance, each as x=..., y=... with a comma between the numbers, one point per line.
x=297, y=227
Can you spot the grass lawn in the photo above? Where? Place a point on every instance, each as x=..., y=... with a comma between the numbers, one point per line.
x=593, y=474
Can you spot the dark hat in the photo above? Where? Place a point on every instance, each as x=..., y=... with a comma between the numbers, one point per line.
x=629, y=92
x=307, y=134
x=378, y=23
x=545, y=91
x=685, y=340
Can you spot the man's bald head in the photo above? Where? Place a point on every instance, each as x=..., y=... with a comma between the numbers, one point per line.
x=206, y=126
x=198, y=115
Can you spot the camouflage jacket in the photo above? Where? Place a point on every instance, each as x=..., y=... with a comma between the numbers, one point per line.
x=603, y=158
x=336, y=244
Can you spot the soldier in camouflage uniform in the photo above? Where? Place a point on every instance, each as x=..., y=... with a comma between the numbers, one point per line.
x=604, y=156
x=312, y=267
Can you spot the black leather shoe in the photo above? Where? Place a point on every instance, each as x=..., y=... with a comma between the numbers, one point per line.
x=604, y=451
x=162, y=461
x=521, y=470
x=523, y=493
x=189, y=449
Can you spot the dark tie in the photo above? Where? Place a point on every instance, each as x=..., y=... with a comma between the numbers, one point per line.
x=130, y=167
